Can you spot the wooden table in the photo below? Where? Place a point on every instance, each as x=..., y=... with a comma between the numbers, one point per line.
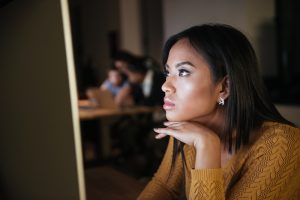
x=88, y=112
x=106, y=118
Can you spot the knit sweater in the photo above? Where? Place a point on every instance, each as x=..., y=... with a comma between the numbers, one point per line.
x=267, y=168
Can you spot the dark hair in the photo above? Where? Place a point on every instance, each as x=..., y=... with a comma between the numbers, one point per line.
x=123, y=55
x=229, y=53
x=113, y=68
x=138, y=66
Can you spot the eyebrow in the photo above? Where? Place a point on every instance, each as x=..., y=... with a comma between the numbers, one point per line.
x=181, y=63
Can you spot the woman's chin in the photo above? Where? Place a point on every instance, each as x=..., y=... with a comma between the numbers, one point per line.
x=174, y=117
x=179, y=116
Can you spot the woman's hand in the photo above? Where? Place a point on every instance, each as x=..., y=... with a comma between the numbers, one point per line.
x=190, y=133
x=205, y=141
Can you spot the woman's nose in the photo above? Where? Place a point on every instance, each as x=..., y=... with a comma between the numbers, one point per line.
x=168, y=87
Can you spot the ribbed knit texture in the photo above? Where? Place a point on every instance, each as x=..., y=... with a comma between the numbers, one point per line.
x=268, y=168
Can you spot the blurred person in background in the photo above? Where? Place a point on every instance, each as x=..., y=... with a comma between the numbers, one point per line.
x=135, y=132
x=145, y=77
x=122, y=59
x=146, y=82
x=118, y=86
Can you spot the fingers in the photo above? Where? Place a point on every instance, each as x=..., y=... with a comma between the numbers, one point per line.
x=172, y=123
x=160, y=135
x=171, y=128
x=162, y=132
x=165, y=131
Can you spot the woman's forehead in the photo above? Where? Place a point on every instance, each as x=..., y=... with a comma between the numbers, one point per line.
x=183, y=52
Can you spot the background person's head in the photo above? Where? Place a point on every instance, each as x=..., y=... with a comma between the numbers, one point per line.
x=122, y=59
x=115, y=76
x=231, y=60
x=137, y=71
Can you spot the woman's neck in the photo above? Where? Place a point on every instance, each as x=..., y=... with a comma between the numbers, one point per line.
x=214, y=121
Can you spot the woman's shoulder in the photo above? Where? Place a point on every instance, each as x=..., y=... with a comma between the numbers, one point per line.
x=276, y=143
x=276, y=136
x=280, y=130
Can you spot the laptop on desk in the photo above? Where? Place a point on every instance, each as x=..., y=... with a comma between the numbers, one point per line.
x=101, y=98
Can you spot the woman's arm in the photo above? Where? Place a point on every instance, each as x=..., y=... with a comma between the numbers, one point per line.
x=160, y=187
x=207, y=175
x=206, y=142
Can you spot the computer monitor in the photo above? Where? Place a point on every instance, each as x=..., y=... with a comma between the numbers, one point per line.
x=40, y=147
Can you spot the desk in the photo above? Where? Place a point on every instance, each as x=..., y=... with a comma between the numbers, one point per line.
x=106, y=116
x=87, y=112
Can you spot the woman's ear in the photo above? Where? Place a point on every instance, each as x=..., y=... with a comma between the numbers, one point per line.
x=224, y=88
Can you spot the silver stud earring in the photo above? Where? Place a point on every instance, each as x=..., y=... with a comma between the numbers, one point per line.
x=221, y=101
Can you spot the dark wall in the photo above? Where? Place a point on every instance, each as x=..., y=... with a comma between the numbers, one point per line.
x=285, y=87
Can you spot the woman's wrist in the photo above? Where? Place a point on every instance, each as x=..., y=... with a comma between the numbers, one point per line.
x=208, y=155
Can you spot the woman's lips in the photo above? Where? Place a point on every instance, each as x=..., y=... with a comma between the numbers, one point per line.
x=168, y=105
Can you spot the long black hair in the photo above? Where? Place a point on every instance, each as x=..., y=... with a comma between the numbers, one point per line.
x=229, y=53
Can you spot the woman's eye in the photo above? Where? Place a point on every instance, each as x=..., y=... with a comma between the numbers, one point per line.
x=183, y=72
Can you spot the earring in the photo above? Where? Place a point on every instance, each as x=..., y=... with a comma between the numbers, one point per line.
x=221, y=101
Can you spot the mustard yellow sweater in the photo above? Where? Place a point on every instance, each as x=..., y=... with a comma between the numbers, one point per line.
x=268, y=168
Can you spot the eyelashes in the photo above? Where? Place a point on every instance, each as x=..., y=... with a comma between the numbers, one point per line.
x=181, y=73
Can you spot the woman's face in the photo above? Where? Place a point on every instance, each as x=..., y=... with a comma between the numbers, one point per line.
x=190, y=94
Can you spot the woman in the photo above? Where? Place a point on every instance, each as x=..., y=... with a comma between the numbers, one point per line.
x=227, y=140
